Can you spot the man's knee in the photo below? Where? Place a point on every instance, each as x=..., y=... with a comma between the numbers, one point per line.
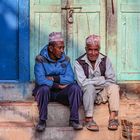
x=75, y=88
x=89, y=89
x=113, y=88
x=43, y=90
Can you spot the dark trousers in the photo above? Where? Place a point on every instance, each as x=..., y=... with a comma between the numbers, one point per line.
x=70, y=95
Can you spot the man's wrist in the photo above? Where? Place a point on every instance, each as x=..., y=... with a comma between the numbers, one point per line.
x=56, y=79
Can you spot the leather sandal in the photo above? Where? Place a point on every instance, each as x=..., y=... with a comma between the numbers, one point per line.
x=113, y=124
x=92, y=126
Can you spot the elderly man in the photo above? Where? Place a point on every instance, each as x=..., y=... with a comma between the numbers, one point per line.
x=95, y=75
x=54, y=79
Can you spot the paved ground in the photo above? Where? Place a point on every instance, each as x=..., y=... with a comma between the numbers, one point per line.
x=17, y=121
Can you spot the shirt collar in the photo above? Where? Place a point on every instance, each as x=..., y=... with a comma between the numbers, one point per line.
x=99, y=59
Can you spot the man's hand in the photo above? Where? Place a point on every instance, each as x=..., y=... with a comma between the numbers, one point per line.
x=59, y=85
x=39, y=58
x=62, y=86
x=50, y=78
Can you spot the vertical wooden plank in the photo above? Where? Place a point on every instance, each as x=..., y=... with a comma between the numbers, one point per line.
x=128, y=40
x=103, y=25
x=111, y=19
x=24, y=41
x=64, y=21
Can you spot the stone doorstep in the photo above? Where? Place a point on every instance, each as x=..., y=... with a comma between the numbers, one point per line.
x=16, y=124
x=18, y=119
x=58, y=115
x=57, y=133
x=25, y=114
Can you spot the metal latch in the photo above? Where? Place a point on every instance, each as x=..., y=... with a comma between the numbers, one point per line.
x=70, y=11
x=68, y=8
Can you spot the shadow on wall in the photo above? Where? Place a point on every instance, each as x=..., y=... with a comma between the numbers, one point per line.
x=41, y=24
x=8, y=39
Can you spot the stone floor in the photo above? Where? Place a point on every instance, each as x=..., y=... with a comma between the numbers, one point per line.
x=18, y=119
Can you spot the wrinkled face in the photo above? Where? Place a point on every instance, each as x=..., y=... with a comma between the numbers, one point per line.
x=58, y=49
x=92, y=51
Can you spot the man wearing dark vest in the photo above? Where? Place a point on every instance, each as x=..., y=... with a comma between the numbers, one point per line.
x=95, y=75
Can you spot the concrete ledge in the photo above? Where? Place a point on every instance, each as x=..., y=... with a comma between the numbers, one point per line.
x=57, y=133
x=17, y=119
x=16, y=91
x=23, y=91
x=58, y=115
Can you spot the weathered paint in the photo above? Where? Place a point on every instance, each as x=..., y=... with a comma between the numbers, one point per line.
x=86, y=20
x=48, y=16
x=111, y=32
x=16, y=91
x=128, y=49
x=45, y=17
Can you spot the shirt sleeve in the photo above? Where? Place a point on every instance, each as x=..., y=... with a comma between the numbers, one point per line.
x=109, y=74
x=68, y=76
x=40, y=75
x=83, y=80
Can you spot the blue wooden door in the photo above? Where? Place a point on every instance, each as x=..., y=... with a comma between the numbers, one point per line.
x=8, y=39
x=12, y=41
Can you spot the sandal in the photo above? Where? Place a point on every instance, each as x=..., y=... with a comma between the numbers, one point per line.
x=113, y=124
x=92, y=126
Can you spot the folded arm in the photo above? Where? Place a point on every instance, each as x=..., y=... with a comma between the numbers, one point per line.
x=83, y=80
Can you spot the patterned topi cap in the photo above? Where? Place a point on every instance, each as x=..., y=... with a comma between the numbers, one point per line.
x=55, y=36
x=93, y=40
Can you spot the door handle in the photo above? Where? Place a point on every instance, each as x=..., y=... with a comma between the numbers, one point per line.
x=72, y=8
x=70, y=11
x=70, y=16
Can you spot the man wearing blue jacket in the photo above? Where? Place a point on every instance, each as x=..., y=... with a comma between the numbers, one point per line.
x=54, y=79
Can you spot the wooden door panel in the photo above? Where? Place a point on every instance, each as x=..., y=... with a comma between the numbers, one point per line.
x=128, y=66
x=84, y=25
x=45, y=18
x=88, y=18
x=9, y=40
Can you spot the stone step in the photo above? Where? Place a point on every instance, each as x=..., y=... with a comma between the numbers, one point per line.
x=58, y=115
x=18, y=120
x=57, y=133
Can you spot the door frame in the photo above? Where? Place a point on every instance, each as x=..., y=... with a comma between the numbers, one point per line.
x=24, y=40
